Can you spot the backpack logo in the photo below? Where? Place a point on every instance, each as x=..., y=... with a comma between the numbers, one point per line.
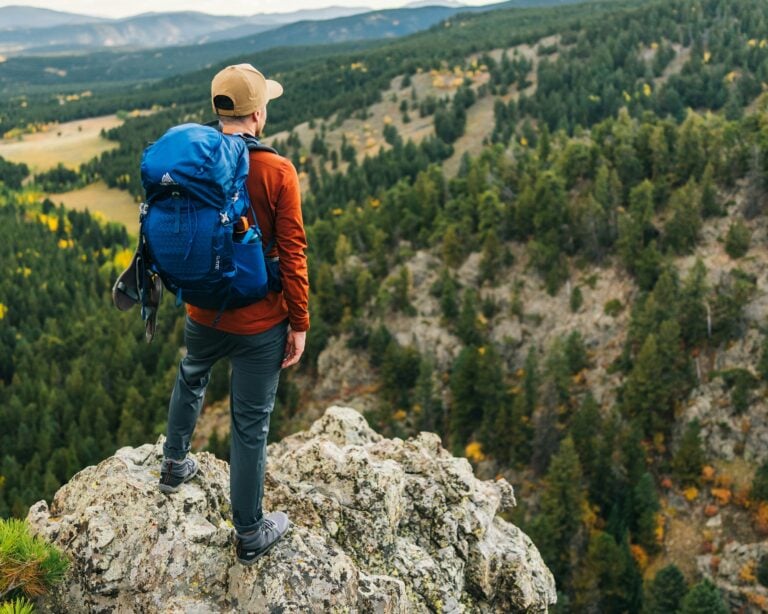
x=167, y=179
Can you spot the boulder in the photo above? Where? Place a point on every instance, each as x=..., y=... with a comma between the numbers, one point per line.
x=379, y=525
x=734, y=572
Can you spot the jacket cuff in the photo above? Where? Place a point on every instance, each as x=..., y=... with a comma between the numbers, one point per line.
x=299, y=325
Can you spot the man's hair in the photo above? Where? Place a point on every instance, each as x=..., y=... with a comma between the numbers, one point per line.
x=225, y=103
x=228, y=119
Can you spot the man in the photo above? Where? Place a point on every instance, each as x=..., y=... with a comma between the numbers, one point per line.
x=259, y=339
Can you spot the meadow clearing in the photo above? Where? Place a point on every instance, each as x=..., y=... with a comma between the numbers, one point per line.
x=72, y=144
x=115, y=205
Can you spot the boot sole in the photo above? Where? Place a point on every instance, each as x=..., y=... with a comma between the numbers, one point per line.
x=249, y=562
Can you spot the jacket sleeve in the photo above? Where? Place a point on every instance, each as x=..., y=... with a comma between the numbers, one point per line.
x=291, y=242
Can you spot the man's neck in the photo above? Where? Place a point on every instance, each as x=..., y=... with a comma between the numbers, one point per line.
x=233, y=128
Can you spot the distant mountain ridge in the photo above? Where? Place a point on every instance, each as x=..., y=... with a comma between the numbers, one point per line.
x=29, y=30
x=24, y=74
x=148, y=64
x=28, y=17
x=419, y=3
x=35, y=31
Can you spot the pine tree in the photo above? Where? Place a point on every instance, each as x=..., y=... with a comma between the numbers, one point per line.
x=608, y=188
x=477, y=390
x=558, y=368
x=645, y=505
x=400, y=287
x=703, y=598
x=648, y=266
x=755, y=196
x=690, y=148
x=531, y=380
x=642, y=394
x=520, y=431
x=576, y=300
x=560, y=516
x=601, y=558
x=762, y=365
x=689, y=458
x=693, y=310
x=760, y=483
x=468, y=327
x=490, y=264
x=737, y=239
x=677, y=376
x=586, y=431
x=452, y=248
x=576, y=352
x=665, y=592
x=709, y=203
x=546, y=434
x=551, y=211
x=681, y=232
x=633, y=225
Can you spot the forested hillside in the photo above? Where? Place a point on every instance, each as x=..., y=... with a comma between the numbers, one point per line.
x=311, y=69
x=74, y=373
x=580, y=306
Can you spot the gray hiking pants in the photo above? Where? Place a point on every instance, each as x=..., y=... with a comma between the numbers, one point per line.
x=256, y=363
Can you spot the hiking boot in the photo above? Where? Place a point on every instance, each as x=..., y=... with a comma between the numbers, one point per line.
x=173, y=473
x=251, y=546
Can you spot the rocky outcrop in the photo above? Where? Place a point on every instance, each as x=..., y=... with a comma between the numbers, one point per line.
x=379, y=526
x=734, y=571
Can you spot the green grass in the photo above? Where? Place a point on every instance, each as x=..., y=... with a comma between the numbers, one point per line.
x=17, y=606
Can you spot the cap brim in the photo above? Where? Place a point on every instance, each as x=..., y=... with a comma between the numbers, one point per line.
x=274, y=89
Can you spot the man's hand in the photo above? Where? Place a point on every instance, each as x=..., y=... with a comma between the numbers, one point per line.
x=294, y=347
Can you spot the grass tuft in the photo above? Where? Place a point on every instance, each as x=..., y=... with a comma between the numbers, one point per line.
x=29, y=566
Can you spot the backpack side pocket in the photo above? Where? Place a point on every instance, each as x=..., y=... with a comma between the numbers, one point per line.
x=250, y=280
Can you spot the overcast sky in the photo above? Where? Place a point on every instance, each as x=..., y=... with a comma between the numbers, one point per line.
x=124, y=8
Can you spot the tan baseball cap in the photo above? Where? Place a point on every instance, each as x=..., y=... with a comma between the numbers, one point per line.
x=245, y=87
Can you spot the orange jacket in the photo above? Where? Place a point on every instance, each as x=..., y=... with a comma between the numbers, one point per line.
x=273, y=187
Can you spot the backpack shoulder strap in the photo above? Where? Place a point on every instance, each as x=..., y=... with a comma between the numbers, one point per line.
x=254, y=144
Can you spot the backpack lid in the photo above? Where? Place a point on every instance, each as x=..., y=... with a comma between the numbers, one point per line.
x=208, y=165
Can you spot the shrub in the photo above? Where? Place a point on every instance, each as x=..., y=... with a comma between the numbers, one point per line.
x=577, y=299
x=29, y=566
x=737, y=240
x=613, y=307
x=689, y=458
x=760, y=483
x=762, y=570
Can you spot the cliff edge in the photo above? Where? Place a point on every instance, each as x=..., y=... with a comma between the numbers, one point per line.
x=380, y=525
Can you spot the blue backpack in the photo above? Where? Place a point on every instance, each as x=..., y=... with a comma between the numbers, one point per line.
x=194, y=179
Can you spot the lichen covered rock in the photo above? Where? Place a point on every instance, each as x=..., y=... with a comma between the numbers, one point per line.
x=734, y=572
x=379, y=525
